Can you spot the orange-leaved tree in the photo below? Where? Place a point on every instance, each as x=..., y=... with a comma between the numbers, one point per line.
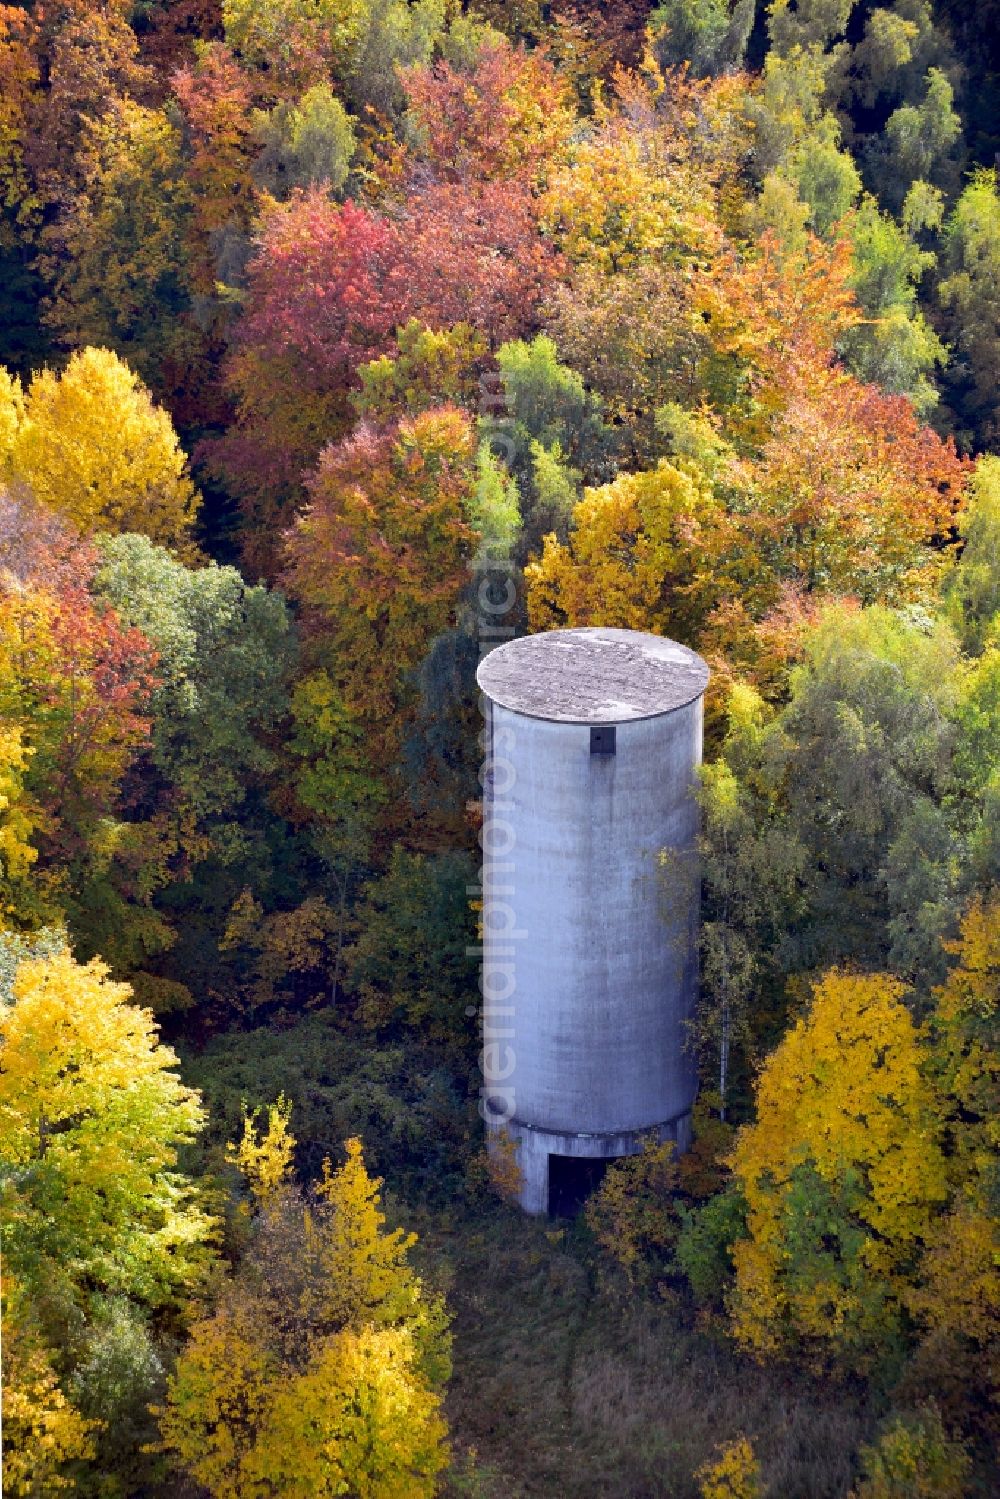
x=380, y=558
x=75, y=685
x=506, y=115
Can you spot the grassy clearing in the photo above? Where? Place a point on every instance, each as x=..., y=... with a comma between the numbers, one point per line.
x=563, y=1391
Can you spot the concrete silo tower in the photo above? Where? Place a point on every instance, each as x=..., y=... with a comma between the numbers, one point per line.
x=590, y=940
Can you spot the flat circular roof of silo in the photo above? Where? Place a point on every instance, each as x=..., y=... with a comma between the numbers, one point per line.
x=592, y=675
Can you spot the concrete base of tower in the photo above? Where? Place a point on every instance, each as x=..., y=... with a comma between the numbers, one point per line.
x=558, y=1170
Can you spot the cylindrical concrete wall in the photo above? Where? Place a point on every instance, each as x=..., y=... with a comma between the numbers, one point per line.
x=590, y=894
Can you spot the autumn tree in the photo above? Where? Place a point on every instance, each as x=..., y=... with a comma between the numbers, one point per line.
x=44, y=1435
x=508, y=115
x=818, y=482
x=473, y=252
x=103, y=1233
x=319, y=287
x=763, y=310
x=634, y=557
x=972, y=591
x=957, y=1297
x=319, y=305
x=914, y=1458
x=92, y=446
x=19, y=828
x=734, y=1473
x=330, y=1351
x=170, y=33
x=846, y=493
x=19, y=68
x=379, y=559
x=968, y=294
x=37, y=546
x=285, y=957
x=631, y=191
x=214, y=95
x=634, y=343
x=74, y=687
x=122, y=282
x=638, y=214
x=843, y=1172
x=219, y=150
x=95, y=1117
x=90, y=60
x=327, y=289
x=299, y=40
x=104, y=1236
x=265, y=1157
x=427, y=368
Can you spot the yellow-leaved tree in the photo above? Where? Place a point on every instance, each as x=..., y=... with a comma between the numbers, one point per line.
x=11, y=413
x=843, y=1173
x=358, y=1420
x=733, y=1474
x=266, y=1159
x=43, y=1433
x=956, y=1300
x=632, y=1214
x=631, y=191
x=91, y=445
x=914, y=1458
x=18, y=818
x=320, y=1368
x=637, y=557
x=99, y=1228
x=92, y=1115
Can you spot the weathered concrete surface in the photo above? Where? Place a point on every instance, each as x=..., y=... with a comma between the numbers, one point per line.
x=593, y=675
x=535, y=1147
x=590, y=1045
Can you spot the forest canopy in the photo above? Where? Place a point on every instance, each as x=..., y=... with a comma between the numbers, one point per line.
x=329, y=329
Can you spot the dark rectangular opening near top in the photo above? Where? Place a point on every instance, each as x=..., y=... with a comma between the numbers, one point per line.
x=572, y=1178
x=602, y=740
